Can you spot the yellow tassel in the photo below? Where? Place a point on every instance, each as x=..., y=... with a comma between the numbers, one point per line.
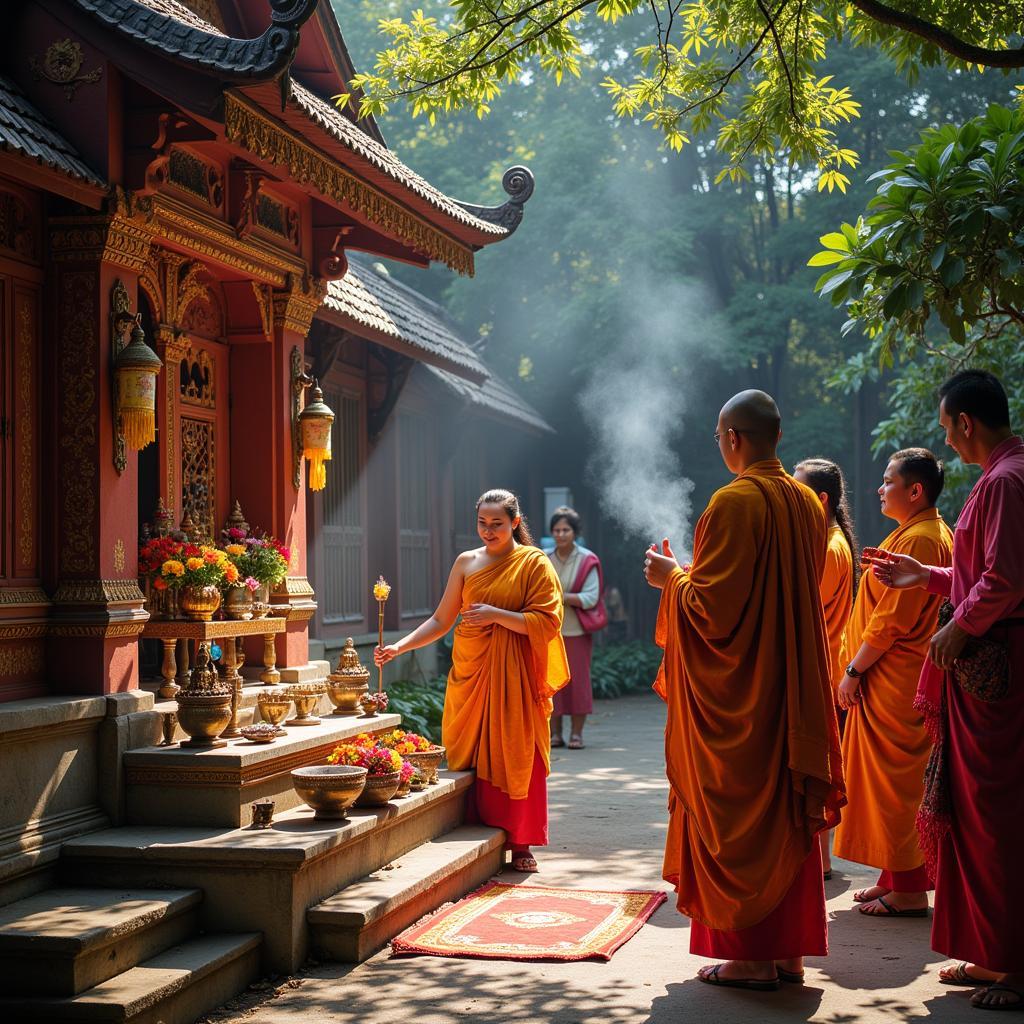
x=138, y=427
x=317, y=470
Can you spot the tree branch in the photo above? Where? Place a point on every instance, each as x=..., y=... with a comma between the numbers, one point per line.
x=782, y=55
x=942, y=38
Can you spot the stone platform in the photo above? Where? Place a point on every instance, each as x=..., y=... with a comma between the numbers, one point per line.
x=265, y=880
x=176, y=785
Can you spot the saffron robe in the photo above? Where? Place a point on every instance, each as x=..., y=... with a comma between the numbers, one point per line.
x=498, y=701
x=885, y=745
x=837, y=600
x=751, y=741
x=979, y=886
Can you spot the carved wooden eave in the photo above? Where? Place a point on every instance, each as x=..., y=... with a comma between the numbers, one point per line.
x=266, y=140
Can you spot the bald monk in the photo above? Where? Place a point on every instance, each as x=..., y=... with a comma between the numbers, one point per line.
x=508, y=660
x=885, y=745
x=751, y=741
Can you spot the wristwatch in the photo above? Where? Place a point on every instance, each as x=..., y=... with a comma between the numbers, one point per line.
x=852, y=672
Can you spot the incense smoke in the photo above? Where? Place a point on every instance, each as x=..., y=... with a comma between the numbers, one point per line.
x=633, y=405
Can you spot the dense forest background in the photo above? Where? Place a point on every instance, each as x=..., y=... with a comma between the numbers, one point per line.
x=637, y=296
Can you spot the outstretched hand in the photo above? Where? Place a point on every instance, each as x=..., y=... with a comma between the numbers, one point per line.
x=658, y=565
x=896, y=571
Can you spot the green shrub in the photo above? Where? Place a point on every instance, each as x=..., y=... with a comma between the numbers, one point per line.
x=421, y=705
x=618, y=669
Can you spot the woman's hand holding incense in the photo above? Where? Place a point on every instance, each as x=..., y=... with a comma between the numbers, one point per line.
x=382, y=655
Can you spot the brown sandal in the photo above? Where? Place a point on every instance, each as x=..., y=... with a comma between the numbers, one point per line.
x=557, y=741
x=576, y=743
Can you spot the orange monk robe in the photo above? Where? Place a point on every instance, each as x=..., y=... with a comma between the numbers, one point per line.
x=837, y=600
x=751, y=741
x=885, y=746
x=498, y=702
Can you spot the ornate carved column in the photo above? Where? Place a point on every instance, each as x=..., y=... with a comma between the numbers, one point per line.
x=262, y=474
x=98, y=607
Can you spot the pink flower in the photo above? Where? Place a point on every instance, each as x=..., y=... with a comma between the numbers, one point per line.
x=251, y=584
x=235, y=533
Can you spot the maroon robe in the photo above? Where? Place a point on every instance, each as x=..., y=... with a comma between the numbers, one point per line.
x=979, y=884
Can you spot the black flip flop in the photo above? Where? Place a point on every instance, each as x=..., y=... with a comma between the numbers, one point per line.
x=891, y=911
x=790, y=977
x=753, y=984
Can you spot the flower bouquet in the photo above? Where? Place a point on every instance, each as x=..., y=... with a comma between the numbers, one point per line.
x=262, y=563
x=383, y=768
x=198, y=571
x=408, y=770
x=373, y=703
x=418, y=749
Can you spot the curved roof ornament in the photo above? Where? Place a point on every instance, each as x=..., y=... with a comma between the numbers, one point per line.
x=264, y=58
x=518, y=183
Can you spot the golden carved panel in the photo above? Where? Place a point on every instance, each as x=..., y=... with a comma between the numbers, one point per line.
x=77, y=311
x=26, y=660
x=198, y=474
x=25, y=375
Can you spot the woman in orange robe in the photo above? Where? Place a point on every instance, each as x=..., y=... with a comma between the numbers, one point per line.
x=508, y=660
x=838, y=581
x=751, y=740
x=885, y=744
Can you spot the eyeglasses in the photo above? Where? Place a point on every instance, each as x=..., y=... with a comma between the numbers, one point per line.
x=735, y=430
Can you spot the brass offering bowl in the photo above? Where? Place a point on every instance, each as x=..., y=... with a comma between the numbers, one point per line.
x=379, y=789
x=204, y=716
x=330, y=789
x=306, y=697
x=428, y=762
x=274, y=707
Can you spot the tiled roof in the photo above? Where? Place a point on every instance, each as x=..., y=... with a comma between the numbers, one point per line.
x=377, y=301
x=179, y=33
x=25, y=131
x=492, y=396
x=370, y=299
x=335, y=123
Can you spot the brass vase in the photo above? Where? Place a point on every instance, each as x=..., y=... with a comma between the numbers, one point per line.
x=274, y=706
x=261, y=601
x=238, y=603
x=199, y=603
x=379, y=789
x=348, y=682
x=330, y=789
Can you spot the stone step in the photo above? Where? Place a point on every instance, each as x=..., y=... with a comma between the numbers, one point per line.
x=173, y=987
x=266, y=879
x=65, y=941
x=353, y=924
x=176, y=785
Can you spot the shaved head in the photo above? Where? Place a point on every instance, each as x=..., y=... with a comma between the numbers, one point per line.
x=755, y=413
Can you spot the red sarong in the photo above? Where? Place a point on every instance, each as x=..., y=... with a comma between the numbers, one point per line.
x=915, y=880
x=578, y=697
x=796, y=927
x=525, y=821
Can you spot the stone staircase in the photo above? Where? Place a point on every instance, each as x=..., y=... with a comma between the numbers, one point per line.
x=178, y=910
x=130, y=955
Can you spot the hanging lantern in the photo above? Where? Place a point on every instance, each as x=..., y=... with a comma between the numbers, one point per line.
x=136, y=368
x=315, y=431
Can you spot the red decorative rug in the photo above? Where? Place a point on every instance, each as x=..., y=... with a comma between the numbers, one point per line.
x=528, y=922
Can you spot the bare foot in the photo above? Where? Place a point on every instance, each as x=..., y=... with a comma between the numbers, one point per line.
x=867, y=895
x=791, y=971
x=963, y=973
x=894, y=904
x=741, y=970
x=1007, y=993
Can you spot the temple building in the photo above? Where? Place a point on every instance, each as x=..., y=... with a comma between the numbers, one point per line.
x=191, y=247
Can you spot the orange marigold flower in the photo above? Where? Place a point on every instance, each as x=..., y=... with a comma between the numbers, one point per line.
x=194, y=563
